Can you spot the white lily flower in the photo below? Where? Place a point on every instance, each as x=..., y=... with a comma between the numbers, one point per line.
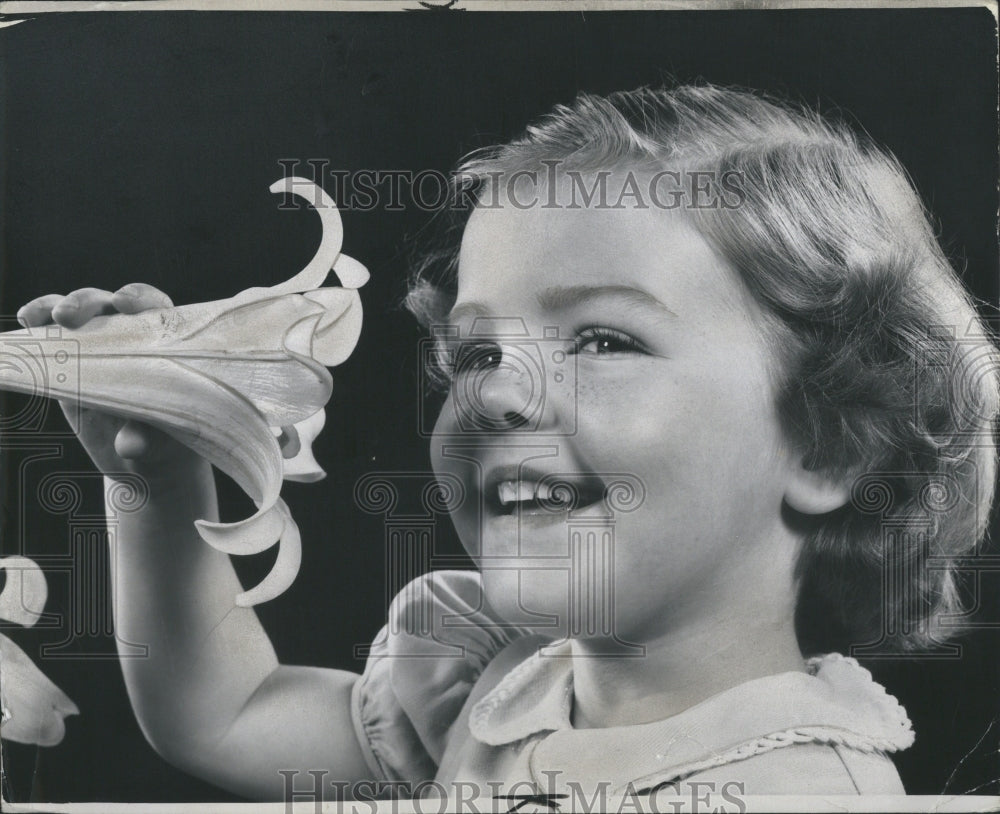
x=218, y=376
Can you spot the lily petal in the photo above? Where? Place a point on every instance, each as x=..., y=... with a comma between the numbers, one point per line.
x=286, y=565
x=249, y=536
x=288, y=440
x=299, y=338
x=33, y=708
x=23, y=596
x=313, y=275
x=350, y=272
x=303, y=467
x=337, y=331
x=258, y=324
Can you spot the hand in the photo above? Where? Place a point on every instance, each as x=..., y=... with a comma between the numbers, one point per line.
x=114, y=444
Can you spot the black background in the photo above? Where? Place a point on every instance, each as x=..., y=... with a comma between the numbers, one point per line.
x=140, y=146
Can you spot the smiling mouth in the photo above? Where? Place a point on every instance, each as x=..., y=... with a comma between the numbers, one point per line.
x=548, y=495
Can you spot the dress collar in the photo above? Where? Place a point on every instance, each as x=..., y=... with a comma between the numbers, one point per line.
x=535, y=696
x=836, y=701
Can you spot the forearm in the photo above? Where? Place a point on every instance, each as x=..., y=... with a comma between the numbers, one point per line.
x=173, y=595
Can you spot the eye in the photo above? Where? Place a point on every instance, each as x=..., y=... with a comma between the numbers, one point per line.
x=473, y=357
x=605, y=341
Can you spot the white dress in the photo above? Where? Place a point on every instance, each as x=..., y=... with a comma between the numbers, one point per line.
x=453, y=695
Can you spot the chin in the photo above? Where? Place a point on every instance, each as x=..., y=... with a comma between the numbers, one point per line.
x=529, y=597
x=543, y=601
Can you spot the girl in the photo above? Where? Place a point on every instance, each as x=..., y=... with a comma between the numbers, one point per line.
x=731, y=308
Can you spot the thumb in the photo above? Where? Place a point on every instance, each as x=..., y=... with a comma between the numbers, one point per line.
x=150, y=447
x=132, y=440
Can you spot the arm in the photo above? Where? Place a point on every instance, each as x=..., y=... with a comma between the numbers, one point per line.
x=210, y=695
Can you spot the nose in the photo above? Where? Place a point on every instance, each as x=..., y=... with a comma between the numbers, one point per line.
x=503, y=390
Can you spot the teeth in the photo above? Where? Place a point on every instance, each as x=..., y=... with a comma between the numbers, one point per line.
x=511, y=491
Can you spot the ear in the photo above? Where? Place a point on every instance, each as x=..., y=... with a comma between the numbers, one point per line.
x=817, y=491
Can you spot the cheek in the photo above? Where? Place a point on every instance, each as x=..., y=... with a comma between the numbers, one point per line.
x=464, y=515
x=714, y=437
x=645, y=420
x=448, y=432
x=442, y=426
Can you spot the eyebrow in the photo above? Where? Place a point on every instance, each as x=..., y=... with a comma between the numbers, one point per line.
x=562, y=298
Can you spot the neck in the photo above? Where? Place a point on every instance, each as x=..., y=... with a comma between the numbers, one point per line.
x=710, y=651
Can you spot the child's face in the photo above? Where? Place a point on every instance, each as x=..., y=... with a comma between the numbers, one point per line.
x=667, y=383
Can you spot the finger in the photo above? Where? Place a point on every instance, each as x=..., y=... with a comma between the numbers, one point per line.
x=38, y=311
x=136, y=297
x=80, y=306
x=152, y=449
x=132, y=440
